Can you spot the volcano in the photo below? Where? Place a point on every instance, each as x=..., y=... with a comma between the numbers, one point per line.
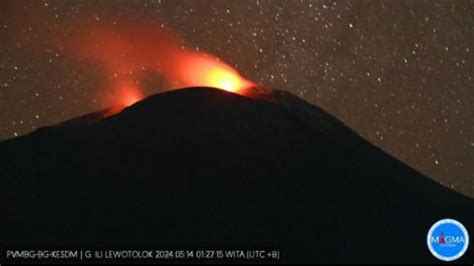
x=205, y=168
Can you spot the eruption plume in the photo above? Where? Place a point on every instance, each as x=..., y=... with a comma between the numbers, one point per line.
x=138, y=46
x=124, y=49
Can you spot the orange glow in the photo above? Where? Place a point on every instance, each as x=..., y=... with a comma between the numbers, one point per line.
x=128, y=94
x=128, y=51
x=200, y=69
x=130, y=99
x=223, y=79
x=139, y=47
x=135, y=50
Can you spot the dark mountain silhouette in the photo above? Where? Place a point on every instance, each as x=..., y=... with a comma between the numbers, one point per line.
x=202, y=167
x=92, y=117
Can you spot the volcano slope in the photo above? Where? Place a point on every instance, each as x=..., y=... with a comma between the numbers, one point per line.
x=201, y=167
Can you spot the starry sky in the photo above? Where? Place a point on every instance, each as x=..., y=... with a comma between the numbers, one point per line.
x=400, y=73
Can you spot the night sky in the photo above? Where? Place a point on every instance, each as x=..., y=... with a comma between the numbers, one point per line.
x=400, y=73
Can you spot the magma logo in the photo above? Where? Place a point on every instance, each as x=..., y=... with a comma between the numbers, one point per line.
x=448, y=239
